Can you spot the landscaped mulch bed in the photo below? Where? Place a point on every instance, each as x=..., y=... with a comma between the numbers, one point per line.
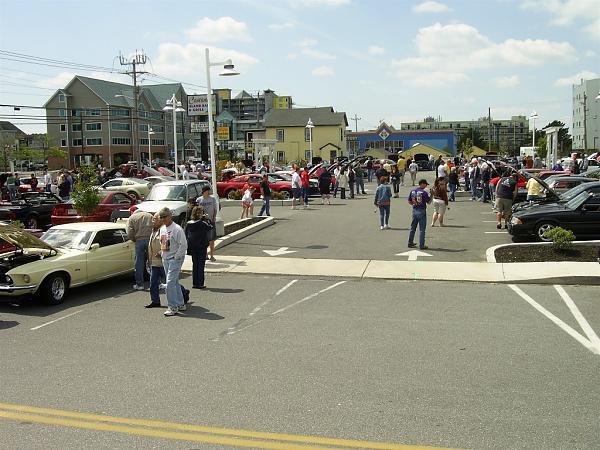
x=546, y=253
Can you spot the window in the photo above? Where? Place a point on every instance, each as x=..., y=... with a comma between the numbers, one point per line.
x=92, y=112
x=121, y=199
x=108, y=237
x=77, y=142
x=119, y=112
x=144, y=141
x=112, y=183
x=76, y=126
x=158, y=128
x=307, y=134
x=63, y=127
x=62, y=112
x=333, y=154
x=307, y=154
x=93, y=141
x=120, y=126
x=158, y=142
x=341, y=134
x=121, y=141
x=280, y=156
x=280, y=135
x=96, y=126
x=61, y=98
x=63, y=142
x=143, y=127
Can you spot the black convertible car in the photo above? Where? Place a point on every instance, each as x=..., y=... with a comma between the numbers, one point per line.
x=34, y=209
x=581, y=215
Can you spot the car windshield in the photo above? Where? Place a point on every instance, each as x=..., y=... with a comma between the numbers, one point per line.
x=162, y=192
x=71, y=239
x=573, y=192
x=577, y=201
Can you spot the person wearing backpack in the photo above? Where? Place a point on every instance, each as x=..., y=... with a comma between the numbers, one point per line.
x=383, y=196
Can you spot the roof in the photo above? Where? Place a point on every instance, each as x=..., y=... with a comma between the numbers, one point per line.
x=89, y=226
x=243, y=94
x=425, y=149
x=7, y=126
x=156, y=94
x=298, y=117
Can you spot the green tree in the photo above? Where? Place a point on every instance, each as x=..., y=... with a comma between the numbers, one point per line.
x=474, y=136
x=85, y=191
x=466, y=147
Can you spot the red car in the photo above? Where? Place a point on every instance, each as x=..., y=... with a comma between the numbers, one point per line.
x=113, y=201
x=228, y=188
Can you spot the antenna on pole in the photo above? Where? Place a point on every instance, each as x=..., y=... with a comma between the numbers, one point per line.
x=355, y=119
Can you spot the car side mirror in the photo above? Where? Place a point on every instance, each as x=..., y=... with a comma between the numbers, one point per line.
x=94, y=247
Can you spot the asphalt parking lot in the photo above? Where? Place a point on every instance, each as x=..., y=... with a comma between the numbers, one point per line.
x=349, y=229
x=443, y=364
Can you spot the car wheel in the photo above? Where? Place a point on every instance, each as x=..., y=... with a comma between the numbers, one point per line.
x=54, y=289
x=542, y=228
x=32, y=223
x=134, y=195
x=285, y=194
x=230, y=194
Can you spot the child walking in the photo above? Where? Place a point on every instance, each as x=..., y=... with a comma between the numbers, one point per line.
x=383, y=196
x=247, y=201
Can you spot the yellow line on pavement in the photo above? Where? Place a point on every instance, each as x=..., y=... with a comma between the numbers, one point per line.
x=227, y=436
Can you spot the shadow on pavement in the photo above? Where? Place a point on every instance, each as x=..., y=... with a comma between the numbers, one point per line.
x=6, y=324
x=448, y=250
x=225, y=290
x=198, y=312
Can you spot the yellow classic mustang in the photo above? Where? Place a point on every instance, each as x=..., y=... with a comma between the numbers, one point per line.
x=66, y=256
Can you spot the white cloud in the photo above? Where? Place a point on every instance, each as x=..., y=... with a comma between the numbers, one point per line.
x=446, y=53
x=308, y=42
x=318, y=3
x=570, y=12
x=316, y=54
x=281, y=26
x=506, y=82
x=218, y=30
x=575, y=79
x=430, y=7
x=375, y=50
x=292, y=56
x=590, y=54
x=323, y=71
x=178, y=60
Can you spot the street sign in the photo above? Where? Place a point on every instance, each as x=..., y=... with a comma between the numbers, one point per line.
x=280, y=251
x=199, y=127
x=413, y=254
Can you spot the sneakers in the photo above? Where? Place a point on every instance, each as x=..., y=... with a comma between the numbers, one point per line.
x=423, y=248
x=499, y=225
x=411, y=245
x=382, y=228
x=170, y=311
x=386, y=226
x=162, y=287
x=212, y=259
x=182, y=308
x=152, y=305
x=138, y=288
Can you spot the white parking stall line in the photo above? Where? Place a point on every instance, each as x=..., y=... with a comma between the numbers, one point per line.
x=495, y=232
x=583, y=323
x=566, y=328
x=489, y=221
x=55, y=320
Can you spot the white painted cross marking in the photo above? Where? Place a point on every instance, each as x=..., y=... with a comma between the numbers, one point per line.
x=583, y=323
x=413, y=254
x=280, y=251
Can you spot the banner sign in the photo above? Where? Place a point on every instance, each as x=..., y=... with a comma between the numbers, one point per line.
x=222, y=133
x=198, y=105
x=199, y=127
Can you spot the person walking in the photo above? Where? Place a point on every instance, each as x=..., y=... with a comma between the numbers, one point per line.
x=486, y=176
x=11, y=185
x=395, y=177
x=342, y=182
x=506, y=192
x=440, y=201
x=453, y=184
x=336, y=176
x=305, y=185
x=265, y=192
x=369, y=170
x=442, y=170
x=139, y=229
x=359, y=180
x=351, y=180
x=196, y=233
x=173, y=247
x=401, y=168
x=413, y=168
x=380, y=173
x=296, y=188
x=325, y=186
x=382, y=200
x=33, y=183
x=209, y=205
x=157, y=271
x=418, y=198
x=474, y=178
x=247, y=202
x=47, y=180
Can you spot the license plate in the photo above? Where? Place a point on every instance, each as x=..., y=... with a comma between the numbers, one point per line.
x=71, y=212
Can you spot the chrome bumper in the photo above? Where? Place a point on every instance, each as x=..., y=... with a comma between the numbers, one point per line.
x=11, y=288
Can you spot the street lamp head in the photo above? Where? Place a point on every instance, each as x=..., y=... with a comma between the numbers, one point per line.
x=310, y=123
x=533, y=115
x=228, y=69
x=150, y=131
x=179, y=107
x=598, y=96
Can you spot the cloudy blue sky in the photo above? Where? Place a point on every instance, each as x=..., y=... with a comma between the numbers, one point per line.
x=392, y=60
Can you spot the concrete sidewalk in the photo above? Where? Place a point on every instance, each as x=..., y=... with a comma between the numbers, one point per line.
x=540, y=273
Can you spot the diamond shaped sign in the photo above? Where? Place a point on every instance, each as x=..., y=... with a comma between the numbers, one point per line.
x=384, y=134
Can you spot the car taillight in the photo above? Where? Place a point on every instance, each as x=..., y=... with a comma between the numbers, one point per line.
x=10, y=216
x=132, y=209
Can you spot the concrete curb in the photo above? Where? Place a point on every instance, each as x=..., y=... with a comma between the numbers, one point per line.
x=490, y=253
x=237, y=235
x=238, y=203
x=482, y=272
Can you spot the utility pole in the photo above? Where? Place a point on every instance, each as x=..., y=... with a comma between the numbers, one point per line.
x=136, y=59
x=584, y=122
x=489, y=130
x=356, y=119
x=81, y=130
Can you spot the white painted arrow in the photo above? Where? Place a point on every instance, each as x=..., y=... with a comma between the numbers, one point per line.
x=279, y=252
x=413, y=254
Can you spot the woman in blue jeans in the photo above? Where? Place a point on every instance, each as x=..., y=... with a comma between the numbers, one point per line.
x=196, y=232
x=383, y=196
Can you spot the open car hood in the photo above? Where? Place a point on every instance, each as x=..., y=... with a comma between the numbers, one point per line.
x=22, y=239
x=549, y=191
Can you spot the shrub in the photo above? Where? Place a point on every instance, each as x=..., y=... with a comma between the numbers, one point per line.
x=17, y=223
x=561, y=239
x=85, y=191
x=235, y=195
x=277, y=196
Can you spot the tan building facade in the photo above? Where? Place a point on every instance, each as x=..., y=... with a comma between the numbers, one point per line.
x=289, y=128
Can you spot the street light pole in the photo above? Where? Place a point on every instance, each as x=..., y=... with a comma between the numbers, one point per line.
x=150, y=133
x=174, y=105
x=228, y=70
x=533, y=116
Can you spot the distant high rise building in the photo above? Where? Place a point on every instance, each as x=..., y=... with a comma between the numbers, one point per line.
x=586, y=118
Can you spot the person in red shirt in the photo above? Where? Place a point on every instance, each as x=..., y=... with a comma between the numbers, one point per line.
x=305, y=185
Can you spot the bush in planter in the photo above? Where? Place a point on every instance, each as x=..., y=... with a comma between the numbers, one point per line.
x=561, y=239
x=235, y=195
x=277, y=196
x=85, y=191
